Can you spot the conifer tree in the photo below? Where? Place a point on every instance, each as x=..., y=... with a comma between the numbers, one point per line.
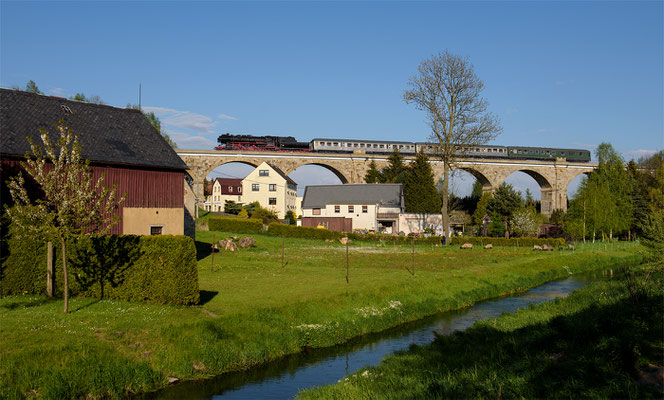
x=396, y=171
x=373, y=174
x=420, y=194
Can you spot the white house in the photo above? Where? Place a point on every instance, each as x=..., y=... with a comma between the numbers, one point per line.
x=271, y=188
x=223, y=189
x=371, y=206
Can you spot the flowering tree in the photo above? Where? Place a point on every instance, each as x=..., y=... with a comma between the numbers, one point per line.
x=526, y=222
x=72, y=202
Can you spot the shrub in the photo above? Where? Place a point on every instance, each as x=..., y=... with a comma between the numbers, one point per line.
x=159, y=269
x=277, y=229
x=499, y=241
x=237, y=225
x=305, y=232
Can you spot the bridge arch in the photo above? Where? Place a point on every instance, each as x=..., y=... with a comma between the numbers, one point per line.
x=335, y=171
x=223, y=162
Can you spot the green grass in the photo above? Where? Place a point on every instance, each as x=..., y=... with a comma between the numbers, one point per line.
x=599, y=342
x=255, y=311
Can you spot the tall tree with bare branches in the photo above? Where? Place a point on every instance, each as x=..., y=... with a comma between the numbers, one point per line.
x=448, y=91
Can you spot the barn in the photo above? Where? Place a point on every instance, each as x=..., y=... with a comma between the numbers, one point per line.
x=121, y=145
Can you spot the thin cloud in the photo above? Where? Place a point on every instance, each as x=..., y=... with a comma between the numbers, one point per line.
x=57, y=92
x=183, y=119
x=224, y=116
x=187, y=141
x=636, y=154
x=585, y=145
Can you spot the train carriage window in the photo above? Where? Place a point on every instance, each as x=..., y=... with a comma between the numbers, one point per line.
x=375, y=146
x=382, y=146
x=354, y=144
x=335, y=144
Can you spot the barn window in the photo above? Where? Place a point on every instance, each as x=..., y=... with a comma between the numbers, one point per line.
x=272, y=201
x=365, y=209
x=230, y=189
x=337, y=209
x=351, y=209
x=255, y=187
x=264, y=172
x=315, y=211
x=156, y=230
x=273, y=187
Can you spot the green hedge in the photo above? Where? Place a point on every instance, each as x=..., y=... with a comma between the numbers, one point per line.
x=235, y=224
x=500, y=241
x=158, y=269
x=278, y=229
x=305, y=232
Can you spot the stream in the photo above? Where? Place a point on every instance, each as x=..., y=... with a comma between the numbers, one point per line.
x=285, y=377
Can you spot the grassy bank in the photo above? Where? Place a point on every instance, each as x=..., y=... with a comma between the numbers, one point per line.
x=254, y=310
x=603, y=341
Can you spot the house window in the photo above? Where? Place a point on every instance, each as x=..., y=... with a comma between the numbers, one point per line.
x=264, y=172
x=351, y=209
x=239, y=189
x=230, y=189
x=273, y=187
x=254, y=187
x=272, y=201
x=315, y=211
x=156, y=230
x=337, y=209
x=365, y=209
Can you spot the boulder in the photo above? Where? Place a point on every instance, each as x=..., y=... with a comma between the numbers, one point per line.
x=228, y=244
x=344, y=240
x=466, y=246
x=536, y=247
x=488, y=246
x=246, y=242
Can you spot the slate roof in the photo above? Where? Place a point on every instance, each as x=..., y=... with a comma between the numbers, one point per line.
x=283, y=175
x=386, y=195
x=107, y=134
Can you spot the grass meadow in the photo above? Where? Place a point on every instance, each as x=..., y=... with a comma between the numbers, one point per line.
x=254, y=310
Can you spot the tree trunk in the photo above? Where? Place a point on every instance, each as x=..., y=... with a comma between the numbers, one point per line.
x=64, y=272
x=444, y=194
x=584, y=220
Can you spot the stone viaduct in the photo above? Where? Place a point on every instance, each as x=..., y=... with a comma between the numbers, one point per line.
x=552, y=176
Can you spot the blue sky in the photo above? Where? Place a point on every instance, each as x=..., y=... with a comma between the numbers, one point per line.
x=560, y=74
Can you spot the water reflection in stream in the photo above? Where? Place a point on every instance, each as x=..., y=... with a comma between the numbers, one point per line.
x=284, y=378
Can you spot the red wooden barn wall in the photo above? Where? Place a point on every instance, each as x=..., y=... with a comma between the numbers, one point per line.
x=142, y=187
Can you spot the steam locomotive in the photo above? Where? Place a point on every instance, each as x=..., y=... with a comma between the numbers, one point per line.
x=323, y=145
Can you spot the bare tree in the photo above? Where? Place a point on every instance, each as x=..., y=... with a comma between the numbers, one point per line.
x=73, y=203
x=448, y=91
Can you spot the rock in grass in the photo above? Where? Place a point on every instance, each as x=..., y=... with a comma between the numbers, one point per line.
x=172, y=379
x=228, y=244
x=466, y=246
x=488, y=246
x=246, y=242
